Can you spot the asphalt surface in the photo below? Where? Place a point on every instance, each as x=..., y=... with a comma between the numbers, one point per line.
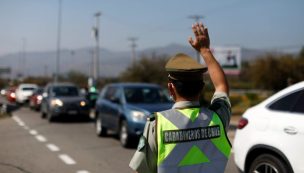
x=29, y=144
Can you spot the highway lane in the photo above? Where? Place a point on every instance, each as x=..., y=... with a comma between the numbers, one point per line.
x=33, y=145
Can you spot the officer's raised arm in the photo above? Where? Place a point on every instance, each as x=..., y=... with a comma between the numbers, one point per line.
x=201, y=43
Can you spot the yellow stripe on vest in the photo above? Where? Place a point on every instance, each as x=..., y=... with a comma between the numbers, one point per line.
x=221, y=144
x=163, y=150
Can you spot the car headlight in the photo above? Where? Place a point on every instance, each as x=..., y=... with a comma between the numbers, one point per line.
x=13, y=95
x=138, y=116
x=82, y=103
x=56, y=102
x=39, y=97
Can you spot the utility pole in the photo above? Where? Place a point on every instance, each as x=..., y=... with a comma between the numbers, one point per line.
x=24, y=57
x=196, y=19
x=57, y=73
x=91, y=63
x=133, y=46
x=96, y=36
x=46, y=71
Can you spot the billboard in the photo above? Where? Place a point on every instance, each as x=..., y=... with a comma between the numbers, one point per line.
x=229, y=58
x=6, y=70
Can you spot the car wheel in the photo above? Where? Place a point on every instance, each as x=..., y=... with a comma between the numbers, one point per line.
x=50, y=117
x=43, y=114
x=124, y=136
x=268, y=163
x=100, y=129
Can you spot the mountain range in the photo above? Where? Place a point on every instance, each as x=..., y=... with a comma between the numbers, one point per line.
x=112, y=62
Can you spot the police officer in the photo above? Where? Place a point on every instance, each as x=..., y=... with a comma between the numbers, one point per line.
x=188, y=138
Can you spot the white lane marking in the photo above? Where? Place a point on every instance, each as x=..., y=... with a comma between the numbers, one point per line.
x=21, y=124
x=53, y=147
x=33, y=132
x=19, y=121
x=26, y=127
x=82, y=171
x=64, y=157
x=16, y=118
x=41, y=138
x=67, y=159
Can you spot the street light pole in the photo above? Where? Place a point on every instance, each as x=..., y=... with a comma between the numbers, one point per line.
x=58, y=43
x=24, y=57
x=196, y=18
x=96, y=58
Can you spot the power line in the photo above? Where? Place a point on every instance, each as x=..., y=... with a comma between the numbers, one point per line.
x=196, y=17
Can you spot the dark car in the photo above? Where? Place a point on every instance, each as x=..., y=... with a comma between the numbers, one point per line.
x=123, y=108
x=63, y=99
x=35, y=99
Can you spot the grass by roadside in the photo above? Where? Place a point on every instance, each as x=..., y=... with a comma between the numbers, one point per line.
x=241, y=102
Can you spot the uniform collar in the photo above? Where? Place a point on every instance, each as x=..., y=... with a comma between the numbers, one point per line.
x=185, y=104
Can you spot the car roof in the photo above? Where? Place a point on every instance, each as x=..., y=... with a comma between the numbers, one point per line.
x=27, y=85
x=290, y=89
x=135, y=84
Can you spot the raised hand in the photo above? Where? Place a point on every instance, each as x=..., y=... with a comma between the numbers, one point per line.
x=201, y=41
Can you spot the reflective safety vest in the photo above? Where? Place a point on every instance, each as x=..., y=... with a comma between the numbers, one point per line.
x=191, y=140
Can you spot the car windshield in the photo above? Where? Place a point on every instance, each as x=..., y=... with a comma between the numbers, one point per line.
x=28, y=89
x=65, y=91
x=145, y=95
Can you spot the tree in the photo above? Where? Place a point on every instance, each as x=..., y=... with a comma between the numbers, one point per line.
x=301, y=54
x=274, y=72
x=150, y=70
x=77, y=78
x=41, y=81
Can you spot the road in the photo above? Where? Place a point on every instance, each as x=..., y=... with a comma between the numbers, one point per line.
x=30, y=144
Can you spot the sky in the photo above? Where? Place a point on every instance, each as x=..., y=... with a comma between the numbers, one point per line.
x=256, y=24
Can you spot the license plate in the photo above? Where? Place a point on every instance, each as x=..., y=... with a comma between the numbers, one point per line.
x=72, y=112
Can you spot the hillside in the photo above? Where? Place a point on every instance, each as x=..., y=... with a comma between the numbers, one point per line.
x=112, y=62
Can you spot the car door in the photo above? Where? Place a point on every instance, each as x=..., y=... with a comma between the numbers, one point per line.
x=287, y=119
x=109, y=108
x=114, y=108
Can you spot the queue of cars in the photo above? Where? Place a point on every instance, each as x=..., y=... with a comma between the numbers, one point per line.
x=121, y=108
x=54, y=100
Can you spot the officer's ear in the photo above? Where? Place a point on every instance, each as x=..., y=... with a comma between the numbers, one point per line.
x=171, y=88
x=172, y=91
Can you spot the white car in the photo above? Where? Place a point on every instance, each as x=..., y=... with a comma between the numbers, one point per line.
x=270, y=135
x=24, y=91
